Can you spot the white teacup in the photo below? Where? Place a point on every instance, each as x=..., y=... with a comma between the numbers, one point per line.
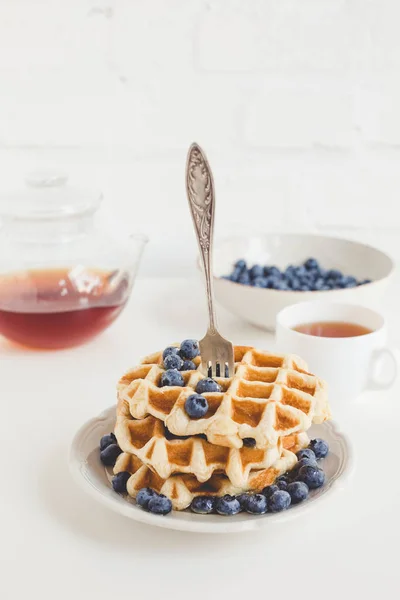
x=350, y=365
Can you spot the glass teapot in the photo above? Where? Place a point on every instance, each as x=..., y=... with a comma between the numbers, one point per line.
x=62, y=280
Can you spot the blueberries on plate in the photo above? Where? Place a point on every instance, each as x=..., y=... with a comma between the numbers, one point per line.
x=144, y=496
x=256, y=504
x=319, y=447
x=107, y=440
x=170, y=350
x=269, y=490
x=298, y=491
x=306, y=453
x=196, y=406
x=303, y=462
x=188, y=365
x=171, y=377
x=119, y=482
x=207, y=385
x=189, y=349
x=159, y=505
x=109, y=455
x=227, y=505
x=173, y=361
x=279, y=501
x=242, y=498
x=282, y=482
x=309, y=276
x=203, y=505
x=313, y=477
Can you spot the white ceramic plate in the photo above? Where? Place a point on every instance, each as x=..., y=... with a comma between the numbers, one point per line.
x=260, y=306
x=91, y=475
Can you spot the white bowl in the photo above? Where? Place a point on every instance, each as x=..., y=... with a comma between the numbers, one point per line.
x=260, y=306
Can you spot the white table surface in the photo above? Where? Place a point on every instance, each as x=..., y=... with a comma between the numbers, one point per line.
x=56, y=542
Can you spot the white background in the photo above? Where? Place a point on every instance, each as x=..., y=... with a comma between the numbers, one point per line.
x=296, y=103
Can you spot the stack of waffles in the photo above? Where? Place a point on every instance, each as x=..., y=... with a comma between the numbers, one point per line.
x=250, y=435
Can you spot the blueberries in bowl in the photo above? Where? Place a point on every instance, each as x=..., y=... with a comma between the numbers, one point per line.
x=306, y=277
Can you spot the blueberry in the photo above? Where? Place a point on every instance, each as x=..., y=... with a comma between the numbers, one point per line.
x=107, y=440
x=312, y=476
x=256, y=271
x=318, y=285
x=196, y=406
x=333, y=274
x=188, y=365
x=272, y=281
x=170, y=350
x=290, y=271
x=298, y=491
x=281, y=285
x=295, y=284
x=203, y=505
x=207, y=385
x=282, y=482
x=173, y=361
x=256, y=504
x=189, y=349
x=249, y=442
x=159, y=505
x=261, y=282
x=305, y=461
x=234, y=276
x=300, y=271
x=144, y=496
x=119, y=482
x=319, y=447
x=172, y=377
x=109, y=455
x=244, y=278
x=311, y=264
x=347, y=282
x=279, y=500
x=269, y=490
x=240, y=264
x=305, y=453
x=272, y=271
x=242, y=498
x=227, y=505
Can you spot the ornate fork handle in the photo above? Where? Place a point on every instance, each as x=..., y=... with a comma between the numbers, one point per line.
x=200, y=193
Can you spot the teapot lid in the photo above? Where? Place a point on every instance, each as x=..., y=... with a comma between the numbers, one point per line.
x=47, y=195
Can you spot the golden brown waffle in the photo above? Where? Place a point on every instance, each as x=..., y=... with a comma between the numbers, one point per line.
x=270, y=396
x=152, y=443
x=181, y=489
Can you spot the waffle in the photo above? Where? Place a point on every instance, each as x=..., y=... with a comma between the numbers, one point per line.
x=150, y=441
x=182, y=488
x=269, y=396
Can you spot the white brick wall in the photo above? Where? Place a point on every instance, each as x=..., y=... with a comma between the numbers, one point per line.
x=296, y=103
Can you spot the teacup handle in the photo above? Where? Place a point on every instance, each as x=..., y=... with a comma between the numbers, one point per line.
x=378, y=358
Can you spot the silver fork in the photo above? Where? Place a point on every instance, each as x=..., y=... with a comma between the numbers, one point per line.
x=216, y=352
